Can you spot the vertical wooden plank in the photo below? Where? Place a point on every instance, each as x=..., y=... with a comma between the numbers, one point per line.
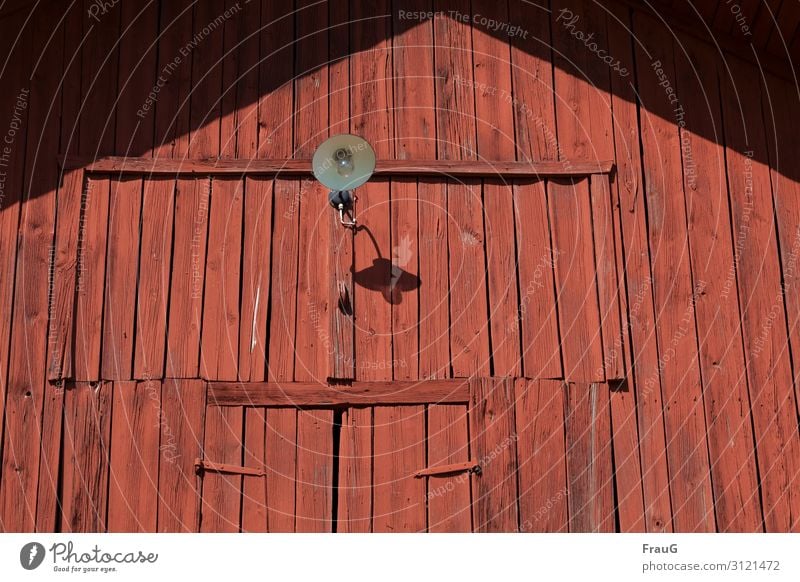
x=398, y=497
x=175, y=68
x=495, y=141
x=256, y=264
x=222, y=492
x=182, y=422
x=412, y=63
x=133, y=472
x=313, y=286
x=281, y=447
x=314, y=471
x=341, y=296
x=355, y=471
x=585, y=131
x=231, y=44
x=404, y=280
x=254, y=489
x=14, y=104
x=673, y=295
x=342, y=324
x=449, y=508
x=639, y=400
x=493, y=440
x=491, y=58
x=92, y=247
x=204, y=116
x=434, y=315
x=99, y=60
x=758, y=271
x=245, y=45
x=53, y=406
x=576, y=286
x=137, y=75
x=722, y=367
x=469, y=336
x=275, y=75
x=87, y=433
x=124, y=214
x=539, y=417
x=311, y=77
x=501, y=261
x=532, y=78
x=281, y=452
x=283, y=295
x=455, y=99
x=608, y=289
x=589, y=472
x=371, y=95
x=25, y=436
x=154, y=272
x=455, y=120
x=219, y=345
x=536, y=260
x=780, y=102
x=372, y=279
x=314, y=427
x=192, y=207
x=64, y=276
x=455, y=107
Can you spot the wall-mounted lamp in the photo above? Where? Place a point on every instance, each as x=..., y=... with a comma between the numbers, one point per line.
x=342, y=163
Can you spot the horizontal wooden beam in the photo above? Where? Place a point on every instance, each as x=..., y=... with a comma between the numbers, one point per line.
x=308, y=394
x=417, y=168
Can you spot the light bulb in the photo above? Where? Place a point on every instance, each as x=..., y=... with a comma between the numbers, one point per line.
x=344, y=162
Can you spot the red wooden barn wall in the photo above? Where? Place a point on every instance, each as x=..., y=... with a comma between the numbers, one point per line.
x=700, y=432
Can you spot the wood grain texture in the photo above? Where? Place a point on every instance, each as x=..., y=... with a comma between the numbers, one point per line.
x=399, y=499
x=576, y=282
x=188, y=277
x=87, y=437
x=355, y=471
x=358, y=393
x=758, y=275
x=91, y=275
x=673, y=294
x=536, y=261
x=256, y=267
x=722, y=365
x=608, y=288
x=134, y=458
x=124, y=215
x=449, y=496
x=182, y=425
x=154, y=275
x=285, y=167
x=588, y=453
x=254, y=489
x=26, y=377
x=221, y=492
x=314, y=492
x=539, y=425
x=64, y=278
x=219, y=344
x=642, y=404
x=493, y=439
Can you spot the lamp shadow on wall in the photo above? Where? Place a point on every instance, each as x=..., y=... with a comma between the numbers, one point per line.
x=385, y=276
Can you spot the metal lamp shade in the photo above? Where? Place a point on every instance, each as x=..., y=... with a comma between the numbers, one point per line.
x=327, y=171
